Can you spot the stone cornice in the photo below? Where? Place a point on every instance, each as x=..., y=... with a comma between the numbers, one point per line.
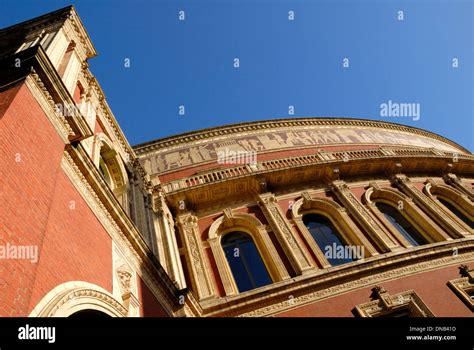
x=123, y=232
x=298, y=123
x=331, y=282
x=36, y=65
x=298, y=162
x=113, y=128
x=50, y=20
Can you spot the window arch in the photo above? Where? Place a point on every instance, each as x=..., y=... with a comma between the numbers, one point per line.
x=245, y=262
x=327, y=237
x=403, y=226
x=71, y=297
x=112, y=168
x=451, y=207
x=104, y=170
x=89, y=313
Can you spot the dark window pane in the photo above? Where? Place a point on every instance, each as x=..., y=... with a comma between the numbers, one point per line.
x=89, y=313
x=326, y=235
x=401, y=224
x=400, y=313
x=457, y=212
x=245, y=262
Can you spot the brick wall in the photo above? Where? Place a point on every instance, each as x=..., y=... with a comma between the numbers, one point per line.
x=430, y=286
x=36, y=201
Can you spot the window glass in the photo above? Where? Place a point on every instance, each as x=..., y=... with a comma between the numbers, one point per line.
x=246, y=264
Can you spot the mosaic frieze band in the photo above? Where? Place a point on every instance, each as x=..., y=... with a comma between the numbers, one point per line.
x=201, y=151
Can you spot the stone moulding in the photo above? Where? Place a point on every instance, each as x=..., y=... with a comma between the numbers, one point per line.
x=128, y=241
x=326, y=283
x=221, y=175
x=462, y=287
x=73, y=296
x=386, y=303
x=172, y=141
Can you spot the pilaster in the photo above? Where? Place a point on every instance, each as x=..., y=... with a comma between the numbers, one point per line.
x=362, y=215
x=196, y=261
x=284, y=233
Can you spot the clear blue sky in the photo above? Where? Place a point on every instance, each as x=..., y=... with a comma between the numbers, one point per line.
x=282, y=62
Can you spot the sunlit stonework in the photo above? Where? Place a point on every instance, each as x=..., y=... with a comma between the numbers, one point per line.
x=286, y=217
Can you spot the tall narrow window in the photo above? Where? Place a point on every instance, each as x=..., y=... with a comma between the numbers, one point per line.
x=457, y=212
x=247, y=266
x=66, y=58
x=327, y=238
x=104, y=170
x=401, y=224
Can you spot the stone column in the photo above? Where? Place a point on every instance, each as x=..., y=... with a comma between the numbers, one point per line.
x=225, y=273
x=363, y=216
x=284, y=233
x=197, y=266
x=280, y=273
x=313, y=245
x=167, y=245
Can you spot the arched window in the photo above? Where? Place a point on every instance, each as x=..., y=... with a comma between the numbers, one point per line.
x=247, y=266
x=401, y=224
x=327, y=238
x=104, y=170
x=89, y=313
x=456, y=212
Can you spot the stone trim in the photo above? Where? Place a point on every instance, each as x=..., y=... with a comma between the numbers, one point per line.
x=70, y=297
x=383, y=304
x=426, y=227
x=292, y=247
x=453, y=180
x=463, y=286
x=327, y=283
x=431, y=207
x=46, y=102
x=338, y=217
x=282, y=123
x=458, y=199
x=230, y=222
x=195, y=258
x=135, y=253
x=221, y=175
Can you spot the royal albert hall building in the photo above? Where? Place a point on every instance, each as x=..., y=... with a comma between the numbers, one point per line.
x=286, y=217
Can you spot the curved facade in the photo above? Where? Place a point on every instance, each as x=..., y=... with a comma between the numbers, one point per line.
x=287, y=217
x=335, y=207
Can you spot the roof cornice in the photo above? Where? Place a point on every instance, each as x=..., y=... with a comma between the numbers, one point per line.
x=232, y=129
x=48, y=20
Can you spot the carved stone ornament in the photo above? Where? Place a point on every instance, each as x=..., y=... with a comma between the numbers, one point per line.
x=465, y=272
x=306, y=199
x=125, y=278
x=383, y=304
